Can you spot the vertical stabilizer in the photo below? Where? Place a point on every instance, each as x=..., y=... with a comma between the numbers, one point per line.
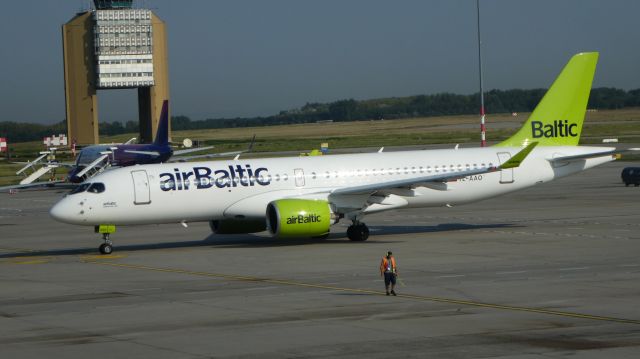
x=162, y=134
x=558, y=118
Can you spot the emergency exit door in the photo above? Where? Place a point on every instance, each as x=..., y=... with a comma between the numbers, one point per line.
x=506, y=175
x=141, y=187
x=298, y=173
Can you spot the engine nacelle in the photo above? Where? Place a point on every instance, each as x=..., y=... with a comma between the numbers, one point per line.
x=237, y=226
x=299, y=218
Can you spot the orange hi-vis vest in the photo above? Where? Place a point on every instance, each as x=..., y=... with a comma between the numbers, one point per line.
x=385, y=264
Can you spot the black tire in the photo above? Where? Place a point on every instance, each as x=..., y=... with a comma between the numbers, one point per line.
x=358, y=233
x=105, y=248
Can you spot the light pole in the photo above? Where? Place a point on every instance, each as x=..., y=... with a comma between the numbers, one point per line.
x=483, y=142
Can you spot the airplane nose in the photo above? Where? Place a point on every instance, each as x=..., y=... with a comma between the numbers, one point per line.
x=62, y=212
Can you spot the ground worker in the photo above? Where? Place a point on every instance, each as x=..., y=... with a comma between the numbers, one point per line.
x=389, y=270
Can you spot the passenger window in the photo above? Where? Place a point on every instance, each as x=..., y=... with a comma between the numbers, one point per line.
x=313, y=175
x=277, y=177
x=285, y=177
x=96, y=188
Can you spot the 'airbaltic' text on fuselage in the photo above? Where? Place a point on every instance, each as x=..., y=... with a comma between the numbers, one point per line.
x=205, y=177
x=559, y=128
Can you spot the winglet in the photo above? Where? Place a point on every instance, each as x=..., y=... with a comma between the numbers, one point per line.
x=516, y=160
x=253, y=141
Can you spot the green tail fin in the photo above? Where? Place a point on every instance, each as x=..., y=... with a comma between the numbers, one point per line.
x=558, y=118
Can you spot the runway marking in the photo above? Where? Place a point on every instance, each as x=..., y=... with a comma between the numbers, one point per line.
x=512, y=272
x=95, y=257
x=27, y=260
x=368, y=291
x=573, y=269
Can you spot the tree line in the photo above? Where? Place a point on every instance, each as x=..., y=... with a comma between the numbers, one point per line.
x=442, y=104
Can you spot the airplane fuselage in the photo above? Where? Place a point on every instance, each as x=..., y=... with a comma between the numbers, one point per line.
x=212, y=190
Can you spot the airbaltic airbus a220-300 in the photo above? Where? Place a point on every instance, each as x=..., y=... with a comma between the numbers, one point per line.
x=303, y=197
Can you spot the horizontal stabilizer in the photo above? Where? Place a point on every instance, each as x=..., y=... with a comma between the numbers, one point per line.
x=585, y=156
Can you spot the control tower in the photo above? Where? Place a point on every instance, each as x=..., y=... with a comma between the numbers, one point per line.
x=114, y=46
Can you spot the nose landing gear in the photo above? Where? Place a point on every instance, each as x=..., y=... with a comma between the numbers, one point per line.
x=107, y=246
x=105, y=230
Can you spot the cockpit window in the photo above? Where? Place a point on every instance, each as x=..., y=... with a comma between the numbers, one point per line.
x=96, y=188
x=89, y=187
x=81, y=188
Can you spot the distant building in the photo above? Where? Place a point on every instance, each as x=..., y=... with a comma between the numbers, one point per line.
x=114, y=46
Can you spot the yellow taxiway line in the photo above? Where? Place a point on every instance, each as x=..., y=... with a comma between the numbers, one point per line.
x=366, y=291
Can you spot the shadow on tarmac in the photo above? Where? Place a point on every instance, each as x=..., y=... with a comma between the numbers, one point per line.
x=249, y=240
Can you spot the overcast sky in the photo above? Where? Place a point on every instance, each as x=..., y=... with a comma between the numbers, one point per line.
x=247, y=58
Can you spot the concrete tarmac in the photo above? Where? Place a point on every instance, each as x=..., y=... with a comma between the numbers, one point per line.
x=551, y=271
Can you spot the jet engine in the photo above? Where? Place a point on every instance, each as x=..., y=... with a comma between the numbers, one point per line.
x=299, y=218
x=237, y=226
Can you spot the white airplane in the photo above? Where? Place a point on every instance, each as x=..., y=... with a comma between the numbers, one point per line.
x=304, y=196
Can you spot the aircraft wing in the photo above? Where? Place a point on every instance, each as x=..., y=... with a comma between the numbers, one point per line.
x=57, y=184
x=585, y=156
x=209, y=155
x=190, y=150
x=148, y=153
x=410, y=183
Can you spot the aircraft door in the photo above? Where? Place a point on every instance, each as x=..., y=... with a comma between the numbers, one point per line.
x=506, y=175
x=141, y=187
x=298, y=173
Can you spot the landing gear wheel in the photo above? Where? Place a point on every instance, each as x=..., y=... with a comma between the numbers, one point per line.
x=106, y=248
x=358, y=232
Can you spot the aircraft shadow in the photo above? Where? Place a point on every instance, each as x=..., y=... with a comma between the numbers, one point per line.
x=248, y=240
x=443, y=227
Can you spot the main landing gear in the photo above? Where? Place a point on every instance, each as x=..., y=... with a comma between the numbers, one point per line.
x=105, y=230
x=358, y=232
